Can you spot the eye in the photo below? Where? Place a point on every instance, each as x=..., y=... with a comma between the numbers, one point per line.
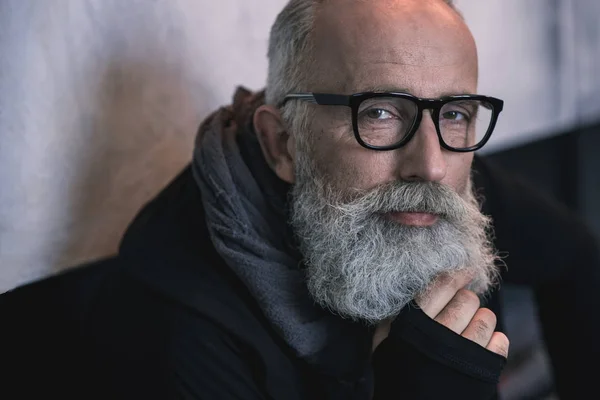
x=379, y=113
x=454, y=116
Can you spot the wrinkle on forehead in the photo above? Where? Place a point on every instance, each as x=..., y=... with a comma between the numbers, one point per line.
x=413, y=60
x=439, y=49
x=410, y=33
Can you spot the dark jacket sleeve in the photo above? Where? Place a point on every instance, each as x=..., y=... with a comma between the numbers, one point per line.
x=207, y=364
x=422, y=359
x=145, y=346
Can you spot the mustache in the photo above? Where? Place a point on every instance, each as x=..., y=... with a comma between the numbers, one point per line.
x=402, y=196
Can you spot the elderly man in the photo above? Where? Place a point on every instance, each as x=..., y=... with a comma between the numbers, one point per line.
x=340, y=249
x=326, y=241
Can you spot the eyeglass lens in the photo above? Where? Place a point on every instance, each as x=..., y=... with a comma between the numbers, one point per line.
x=385, y=121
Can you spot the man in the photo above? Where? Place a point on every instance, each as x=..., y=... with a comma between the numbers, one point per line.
x=326, y=241
x=380, y=210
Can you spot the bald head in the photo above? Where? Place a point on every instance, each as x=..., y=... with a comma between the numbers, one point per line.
x=419, y=46
x=294, y=34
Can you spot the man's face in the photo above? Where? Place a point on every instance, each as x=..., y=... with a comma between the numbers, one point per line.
x=376, y=227
x=417, y=46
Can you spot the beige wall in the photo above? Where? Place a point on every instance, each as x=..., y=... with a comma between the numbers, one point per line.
x=99, y=104
x=100, y=100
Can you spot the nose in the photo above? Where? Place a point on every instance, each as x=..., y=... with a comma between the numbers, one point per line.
x=422, y=158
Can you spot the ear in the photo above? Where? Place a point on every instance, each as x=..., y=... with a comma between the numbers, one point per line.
x=277, y=145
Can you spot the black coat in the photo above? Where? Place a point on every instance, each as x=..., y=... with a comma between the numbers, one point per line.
x=166, y=318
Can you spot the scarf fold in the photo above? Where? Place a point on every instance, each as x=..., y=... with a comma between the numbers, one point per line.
x=245, y=206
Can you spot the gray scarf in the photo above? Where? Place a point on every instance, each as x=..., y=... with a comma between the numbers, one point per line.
x=244, y=202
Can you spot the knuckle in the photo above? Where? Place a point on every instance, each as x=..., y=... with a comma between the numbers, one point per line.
x=442, y=282
x=462, y=278
x=482, y=329
x=458, y=281
x=468, y=297
x=444, y=279
x=483, y=324
x=502, y=344
x=464, y=304
x=503, y=351
x=504, y=340
x=487, y=316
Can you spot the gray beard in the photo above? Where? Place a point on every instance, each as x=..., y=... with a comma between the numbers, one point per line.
x=363, y=266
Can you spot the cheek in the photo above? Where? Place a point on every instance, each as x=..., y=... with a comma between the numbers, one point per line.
x=459, y=171
x=347, y=165
x=335, y=164
x=339, y=157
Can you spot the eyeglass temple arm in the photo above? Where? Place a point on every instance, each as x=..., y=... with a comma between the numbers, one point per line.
x=307, y=97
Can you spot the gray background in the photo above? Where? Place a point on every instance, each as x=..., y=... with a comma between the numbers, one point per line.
x=100, y=101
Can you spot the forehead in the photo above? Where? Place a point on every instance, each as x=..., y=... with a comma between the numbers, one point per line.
x=419, y=46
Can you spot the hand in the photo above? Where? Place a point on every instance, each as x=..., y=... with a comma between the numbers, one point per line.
x=458, y=309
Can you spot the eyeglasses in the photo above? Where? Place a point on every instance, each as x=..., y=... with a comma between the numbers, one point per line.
x=387, y=121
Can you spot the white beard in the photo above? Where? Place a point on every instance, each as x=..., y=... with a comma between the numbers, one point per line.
x=363, y=266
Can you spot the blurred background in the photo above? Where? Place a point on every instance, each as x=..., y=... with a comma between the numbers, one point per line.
x=100, y=101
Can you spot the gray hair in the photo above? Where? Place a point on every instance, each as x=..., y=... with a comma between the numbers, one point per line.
x=290, y=49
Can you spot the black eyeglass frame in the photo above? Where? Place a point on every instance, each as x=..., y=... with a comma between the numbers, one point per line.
x=435, y=105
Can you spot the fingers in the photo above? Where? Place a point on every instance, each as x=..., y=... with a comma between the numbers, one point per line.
x=463, y=316
x=433, y=301
x=447, y=302
x=481, y=327
x=499, y=344
x=459, y=312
